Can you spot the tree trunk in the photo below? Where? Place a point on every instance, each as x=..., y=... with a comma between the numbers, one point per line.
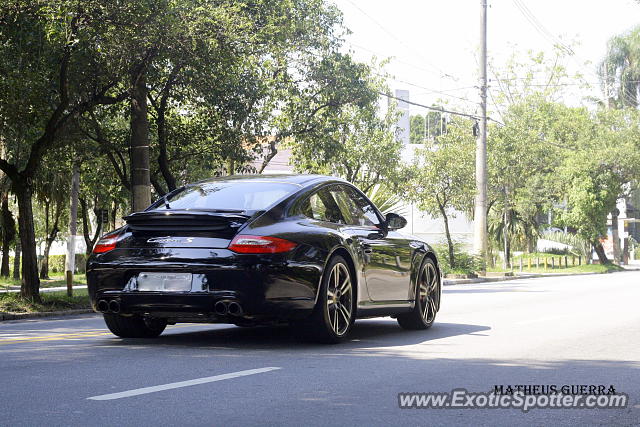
x=8, y=234
x=615, y=236
x=86, y=232
x=16, y=261
x=531, y=244
x=452, y=260
x=163, y=159
x=114, y=216
x=602, y=256
x=51, y=237
x=30, y=280
x=140, y=177
x=505, y=240
x=44, y=266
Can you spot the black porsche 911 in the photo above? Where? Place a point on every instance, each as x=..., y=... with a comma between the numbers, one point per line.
x=309, y=250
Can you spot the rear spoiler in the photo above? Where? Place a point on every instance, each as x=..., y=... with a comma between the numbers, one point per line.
x=159, y=220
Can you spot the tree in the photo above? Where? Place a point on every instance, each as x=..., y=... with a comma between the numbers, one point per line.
x=218, y=81
x=597, y=174
x=441, y=178
x=429, y=126
x=620, y=77
x=159, y=85
x=342, y=131
x=50, y=193
x=417, y=129
x=44, y=43
x=525, y=151
x=620, y=69
x=524, y=156
x=8, y=232
x=99, y=199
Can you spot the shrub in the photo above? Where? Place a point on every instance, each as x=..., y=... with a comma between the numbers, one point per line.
x=465, y=262
x=56, y=263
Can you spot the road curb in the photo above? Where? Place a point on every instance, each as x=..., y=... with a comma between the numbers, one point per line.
x=23, y=316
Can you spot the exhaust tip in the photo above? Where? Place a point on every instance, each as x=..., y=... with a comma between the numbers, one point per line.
x=221, y=308
x=102, y=306
x=114, y=306
x=235, y=309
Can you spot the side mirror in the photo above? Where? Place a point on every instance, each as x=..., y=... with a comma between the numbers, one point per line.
x=395, y=221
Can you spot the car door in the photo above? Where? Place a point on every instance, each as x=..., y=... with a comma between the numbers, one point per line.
x=386, y=254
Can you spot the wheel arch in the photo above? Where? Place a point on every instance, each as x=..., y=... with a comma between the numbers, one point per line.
x=348, y=256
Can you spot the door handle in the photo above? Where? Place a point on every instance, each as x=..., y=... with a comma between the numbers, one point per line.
x=367, y=249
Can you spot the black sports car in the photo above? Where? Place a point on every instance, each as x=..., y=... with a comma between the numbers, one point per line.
x=305, y=249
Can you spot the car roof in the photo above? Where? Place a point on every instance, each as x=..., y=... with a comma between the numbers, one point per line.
x=296, y=179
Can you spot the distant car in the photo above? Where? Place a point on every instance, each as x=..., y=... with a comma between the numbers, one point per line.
x=309, y=250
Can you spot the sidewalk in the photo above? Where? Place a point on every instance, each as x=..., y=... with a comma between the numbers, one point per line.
x=518, y=275
x=43, y=290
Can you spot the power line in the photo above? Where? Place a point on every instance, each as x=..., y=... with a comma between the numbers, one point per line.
x=395, y=58
x=442, y=110
x=436, y=91
x=541, y=29
x=382, y=27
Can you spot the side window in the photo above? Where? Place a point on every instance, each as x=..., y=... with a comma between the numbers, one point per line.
x=322, y=206
x=355, y=209
x=367, y=208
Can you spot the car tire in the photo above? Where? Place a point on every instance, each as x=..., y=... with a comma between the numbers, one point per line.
x=334, y=313
x=427, y=293
x=134, y=326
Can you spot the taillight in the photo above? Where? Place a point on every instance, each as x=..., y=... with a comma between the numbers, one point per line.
x=106, y=243
x=245, y=244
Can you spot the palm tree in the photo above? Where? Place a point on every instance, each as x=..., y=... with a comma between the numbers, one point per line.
x=620, y=69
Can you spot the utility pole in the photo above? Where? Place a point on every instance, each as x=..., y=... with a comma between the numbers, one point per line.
x=480, y=214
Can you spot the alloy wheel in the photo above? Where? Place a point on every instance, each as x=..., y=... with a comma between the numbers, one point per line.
x=340, y=299
x=429, y=294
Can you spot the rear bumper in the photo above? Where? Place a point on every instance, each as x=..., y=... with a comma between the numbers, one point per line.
x=264, y=286
x=201, y=306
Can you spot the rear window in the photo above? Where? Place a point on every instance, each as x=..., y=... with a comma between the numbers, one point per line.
x=245, y=196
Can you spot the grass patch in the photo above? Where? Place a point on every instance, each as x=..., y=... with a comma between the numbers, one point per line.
x=51, y=301
x=54, y=281
x=6, y=282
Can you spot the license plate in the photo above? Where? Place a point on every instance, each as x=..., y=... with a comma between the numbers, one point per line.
x=167, y=282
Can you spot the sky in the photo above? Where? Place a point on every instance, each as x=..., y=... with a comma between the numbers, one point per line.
x=433, y=45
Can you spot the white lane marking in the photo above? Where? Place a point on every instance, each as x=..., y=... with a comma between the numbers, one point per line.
x=188, y=383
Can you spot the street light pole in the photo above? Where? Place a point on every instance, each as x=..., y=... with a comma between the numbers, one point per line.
x=480, y=214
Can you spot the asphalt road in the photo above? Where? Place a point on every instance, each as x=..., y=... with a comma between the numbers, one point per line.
x=582, y=330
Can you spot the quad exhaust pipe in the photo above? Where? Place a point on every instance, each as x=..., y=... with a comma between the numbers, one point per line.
x=232, y=308
x=105, y=306
x=235, y=309
x=221, y=308
x=114, y=306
